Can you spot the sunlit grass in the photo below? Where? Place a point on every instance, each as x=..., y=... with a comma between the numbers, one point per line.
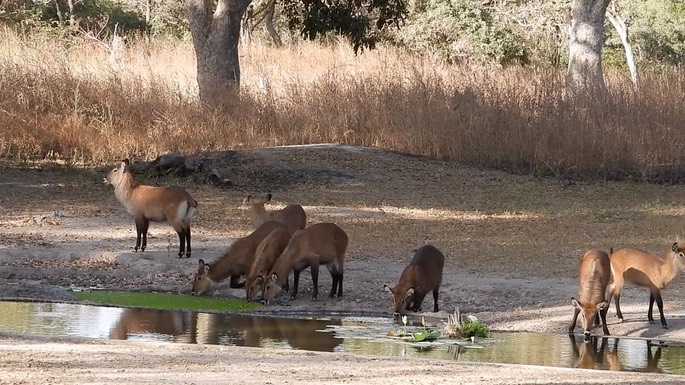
x=69, y=102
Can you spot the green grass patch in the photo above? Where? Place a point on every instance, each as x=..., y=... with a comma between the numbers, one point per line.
x=164, y=301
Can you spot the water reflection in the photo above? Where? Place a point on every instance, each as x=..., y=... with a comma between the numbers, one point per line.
x=633, y=354
x=358, y=335
x=176, y=326
x=308, y=334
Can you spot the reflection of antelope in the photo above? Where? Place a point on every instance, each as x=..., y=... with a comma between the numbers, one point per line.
x=256, y=331
x=652, y=364
x=174, y=324
x=299, y=334
x=587, y=355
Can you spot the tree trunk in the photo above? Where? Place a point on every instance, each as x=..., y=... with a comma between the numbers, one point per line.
x=215, y=37
x=621, y=27
x=269, y=23
x=585, y=47
x=60, y=16
x=72, y=14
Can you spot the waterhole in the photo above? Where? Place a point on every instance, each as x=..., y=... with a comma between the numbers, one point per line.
x=337, y=333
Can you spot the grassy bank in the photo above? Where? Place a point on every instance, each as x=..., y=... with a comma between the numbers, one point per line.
x=69, y=102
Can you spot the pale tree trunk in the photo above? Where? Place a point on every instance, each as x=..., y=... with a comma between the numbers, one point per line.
x=585, y=47
x=216, y=36
x=269, y=23
x=621, y=27
x=72, y=14
x=60, y=16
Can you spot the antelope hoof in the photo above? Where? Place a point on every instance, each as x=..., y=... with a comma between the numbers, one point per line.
x=265, y=302
x=664, y=326
x=314, y=299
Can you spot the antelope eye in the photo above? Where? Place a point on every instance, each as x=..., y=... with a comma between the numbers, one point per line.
x=199, y=278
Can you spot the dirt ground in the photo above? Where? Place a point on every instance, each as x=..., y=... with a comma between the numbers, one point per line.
x=512, y=244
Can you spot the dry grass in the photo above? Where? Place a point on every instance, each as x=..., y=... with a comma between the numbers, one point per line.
x=68, y=102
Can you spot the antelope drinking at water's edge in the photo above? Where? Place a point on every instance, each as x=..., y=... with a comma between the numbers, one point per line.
x=594, y=275
x=422, y=275
x=318, y=244
x=234, y=263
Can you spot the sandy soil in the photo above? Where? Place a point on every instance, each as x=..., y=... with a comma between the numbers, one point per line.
x=512, y=244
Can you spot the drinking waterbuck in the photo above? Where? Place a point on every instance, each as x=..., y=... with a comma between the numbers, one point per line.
x=594, y=275
x=234, y=263
x=319, y=244
x=423, y=274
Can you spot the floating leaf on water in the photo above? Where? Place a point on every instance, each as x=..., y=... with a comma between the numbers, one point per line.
x=426, y=335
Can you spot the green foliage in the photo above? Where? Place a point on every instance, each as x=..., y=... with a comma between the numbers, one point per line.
x=359, y=21
x=164, y=301
x=474, y=329
x=169, y=19
x=90, y=15
x=461, y=30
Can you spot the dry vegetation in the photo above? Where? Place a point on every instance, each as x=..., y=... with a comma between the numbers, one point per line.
x=67, y=101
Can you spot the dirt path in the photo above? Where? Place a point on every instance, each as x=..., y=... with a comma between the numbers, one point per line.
x=512, y=246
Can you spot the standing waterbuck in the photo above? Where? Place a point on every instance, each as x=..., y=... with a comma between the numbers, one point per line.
x=150, y=203
x=423, y=274
x=267, y=252
x=647, y=270
x=594, y=275
x=292, y=216
x=234, y=263
x=318, y=244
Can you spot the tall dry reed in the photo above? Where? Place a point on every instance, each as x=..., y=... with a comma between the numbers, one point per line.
x=68, y=101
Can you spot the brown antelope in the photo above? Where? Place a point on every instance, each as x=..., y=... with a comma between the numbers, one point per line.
x=292, y=216
x=150, y=203
x=318, y=244
x=234, y=263
x=594, y=275
x=267, y=252
x=423, y=274
x=647, y=270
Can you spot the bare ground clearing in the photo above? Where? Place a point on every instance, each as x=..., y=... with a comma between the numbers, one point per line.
x=512, y=245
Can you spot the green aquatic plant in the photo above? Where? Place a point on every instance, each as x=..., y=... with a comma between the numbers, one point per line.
x=455, y=327
x=163, y=301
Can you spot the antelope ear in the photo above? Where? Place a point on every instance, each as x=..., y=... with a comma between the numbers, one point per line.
x=575, y=303
x=410, y=291
x=124, y=165
x=268, y=197
x=388, y=289
x=202, y=263
x=247, y=199
x=602, y=306
x=675, y=246
x=274, y=277
x=259, y=279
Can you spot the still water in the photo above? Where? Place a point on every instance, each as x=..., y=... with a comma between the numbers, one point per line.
x=359, y=335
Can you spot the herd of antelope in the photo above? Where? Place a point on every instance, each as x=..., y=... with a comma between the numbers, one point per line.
x=281, y=243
